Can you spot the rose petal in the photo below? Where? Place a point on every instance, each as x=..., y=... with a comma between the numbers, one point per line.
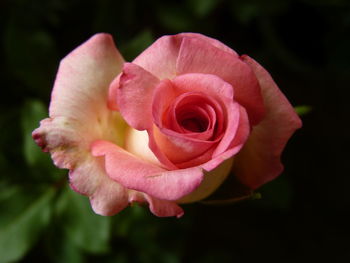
x=87, y=175
x=163, y=208
x=199, y=160
x=222, y=163
x=176, y=123
x=233, y=121
x=160, y=58
x=209, y=40
x=171, y=144
x=135, y=94
x=134, y=173
x=112, y=94
x=259, y=160
x=208, y=84
x=197, y=56
x=81, y=86
x=136, y=143
x=79, y=115
x=109, y=198
x=215, y=91
x=241, y=136
x=167, y=92
x=212, y=180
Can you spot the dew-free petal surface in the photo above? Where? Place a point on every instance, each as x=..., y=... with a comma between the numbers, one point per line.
x=259, y=160
x=136, y=174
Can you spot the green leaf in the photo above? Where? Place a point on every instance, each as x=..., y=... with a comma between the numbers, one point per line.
x=66, y=251
x=32, y=113
x=82, y=226
x=20, y=233
x=302, y=109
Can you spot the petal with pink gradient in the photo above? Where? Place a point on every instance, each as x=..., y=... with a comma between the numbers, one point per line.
x=135, y=95
x=211, y=41
x=259, y=160
x=173, y=144
x=241, y=136
x=212, y=180
x=83, y=79
x=196, y=56
x=86, y=176
x=182, y=93
x=209, y=84
x=108, y=197
x=79, y=115
x=160, y=58
x=136, y=174
x=112, y=94
x=163, y=208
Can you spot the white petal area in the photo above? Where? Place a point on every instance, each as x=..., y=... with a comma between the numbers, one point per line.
x=136, y=142
x=83, y=78
x=79, y=115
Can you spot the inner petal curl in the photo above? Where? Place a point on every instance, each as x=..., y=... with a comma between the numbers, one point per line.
x=194, y=113
x=193, y=120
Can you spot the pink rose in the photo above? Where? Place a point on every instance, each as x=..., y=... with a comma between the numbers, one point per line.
x=167, y=128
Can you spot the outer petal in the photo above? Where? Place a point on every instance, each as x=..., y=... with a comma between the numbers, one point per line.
x=79, y=115
x=135, y=94
x=209, y=40
x=212, y=180
x=160, y=58
x=140, y=175
x=163, y=208
x=197, y=56
x=59, y=136
x=109, y=198
x=259, y=160
x=83, y=79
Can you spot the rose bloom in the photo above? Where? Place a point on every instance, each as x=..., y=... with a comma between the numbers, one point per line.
x=166, y=128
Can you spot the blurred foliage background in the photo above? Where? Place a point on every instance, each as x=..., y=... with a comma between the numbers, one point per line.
x=303, y=215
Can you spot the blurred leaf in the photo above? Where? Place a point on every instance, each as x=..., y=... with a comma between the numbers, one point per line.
x=302, y=109
x=136, y=45
x=6, y=191
x=128, y=218
x=20, y=234
x=245, y=12
x=30, y=55
x=66, y=251
x=87, y=230
x=277, y=194
x=175, y=18
x=202, y=8
x=32, y=113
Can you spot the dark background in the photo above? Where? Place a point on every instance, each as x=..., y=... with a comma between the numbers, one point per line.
x=302, y=215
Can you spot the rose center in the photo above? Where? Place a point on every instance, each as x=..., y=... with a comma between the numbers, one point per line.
x=194, y=124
